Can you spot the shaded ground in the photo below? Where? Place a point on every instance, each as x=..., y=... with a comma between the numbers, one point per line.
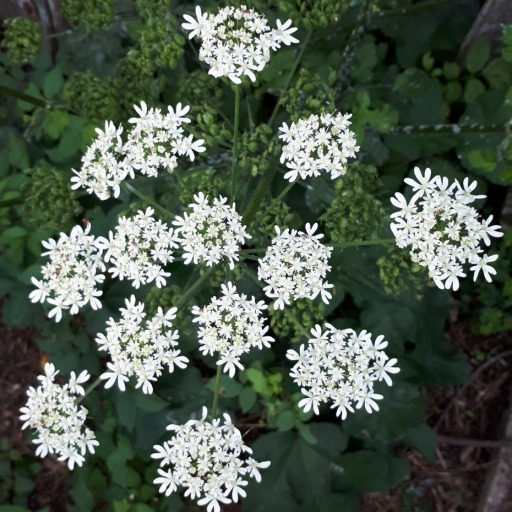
x=468, y=421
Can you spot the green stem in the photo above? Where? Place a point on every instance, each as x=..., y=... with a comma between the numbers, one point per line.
x=290, y=77
x=94, y=385
x=24, y=97
x=216, y=391
x=13, y=201
x=275, y=201
x=259, y=194
x=195, y=288
x=235, y=142
x=357, y=243
x=147, y=199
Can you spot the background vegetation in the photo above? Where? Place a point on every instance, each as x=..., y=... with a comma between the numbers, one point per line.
x=396, y=66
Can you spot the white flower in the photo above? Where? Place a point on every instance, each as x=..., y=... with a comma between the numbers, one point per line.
x=210, y=233
x=318, y=144
x=53, y=411
x=71, y=276
x=236, y=41
x=443, y=232
x=140, y=248
x=209, y=460
x=340, y=366
x=231, y=325
x=295, y=266
x=140, y=347
x=153, y=143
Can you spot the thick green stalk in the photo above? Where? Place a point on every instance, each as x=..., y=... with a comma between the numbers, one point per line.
x=22, y=96
x=357, y=243
x=235, y=142
x=147, y=199
x=195, y=288
x=216, y=391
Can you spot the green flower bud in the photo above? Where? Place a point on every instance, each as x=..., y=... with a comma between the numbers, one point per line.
x=21, y=39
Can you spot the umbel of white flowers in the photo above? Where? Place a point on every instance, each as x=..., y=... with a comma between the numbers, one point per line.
x=236, y=41
x=154, y=142
x=442, y=230
x=318, y=144
x=340, y=366
x=295, y=266
x=140, y=347
x=53, y=411
x=208, y=459
x=231, y=325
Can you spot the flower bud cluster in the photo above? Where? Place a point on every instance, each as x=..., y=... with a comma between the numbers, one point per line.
x=139, y=249
x=94, y=15
x=295, y=266
x=54, y=412
x=318, y=144
x=71, y=276
x=210, y=460
x=140, y=347
x=210, y=233
x=442, y=230
x=341, y=366
x=231, y=325
x=21, y=39
x=154, y=142
x=237, y=41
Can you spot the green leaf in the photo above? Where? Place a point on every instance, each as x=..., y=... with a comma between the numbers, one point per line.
x=370, y=471
x=53, y=82
x=474, y=87
x=258, y=381
x=55, y=123
x=507, y=35
x=12, y=508
x=229, y=388
x=150, y=403
x=16, y=313
x=423, y=439
x=247, y=398
x=482, y=160
x=286, y=420
x=451, y=70
x=125, y=406
x=498, y=74
x=123, y=474
x=478, y=55
x=17, y=151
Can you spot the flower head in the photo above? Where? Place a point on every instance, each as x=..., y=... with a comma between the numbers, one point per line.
x=155, y=142
x=318, y=144
x=139, y=249
x=442, y=230
x=71, y=276
x=209, y=460
x=140, y=347
x=53, y=411
x=236, y=41
x=340, y=366
x=210, y=233
x=295, y=267
x=231, y=325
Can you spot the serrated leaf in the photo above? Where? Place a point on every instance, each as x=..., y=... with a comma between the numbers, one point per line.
x=478, y=55
x=55, y=123
x=286, y=420
x=150, y=403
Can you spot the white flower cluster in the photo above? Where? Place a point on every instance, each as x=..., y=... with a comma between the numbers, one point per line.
x=140, y=347
x=294, y=267
x=139, y=248
x=154, y=142
x=206, y=459
x=318, y=144
x=442, y=230
x=72, y=274
x=54, y=412
x=237, y=41
x=210, y=233
x=341, y=366
x=231, y=325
